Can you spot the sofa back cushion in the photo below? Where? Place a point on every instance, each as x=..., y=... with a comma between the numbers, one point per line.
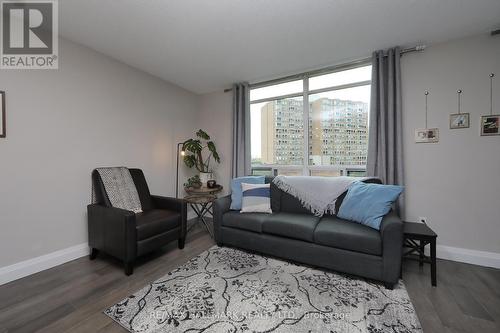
x=275, y=195
x=290, y=204
x=287, y=203
x=284, y=202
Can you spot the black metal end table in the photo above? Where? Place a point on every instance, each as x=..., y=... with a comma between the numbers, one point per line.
x=416, y=237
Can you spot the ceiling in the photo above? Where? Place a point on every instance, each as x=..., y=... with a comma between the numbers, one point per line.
x=205, y=45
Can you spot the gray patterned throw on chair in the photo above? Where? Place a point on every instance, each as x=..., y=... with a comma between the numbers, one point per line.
x=120, y=188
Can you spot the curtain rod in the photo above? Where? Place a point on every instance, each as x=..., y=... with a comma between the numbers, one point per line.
x=329, y=69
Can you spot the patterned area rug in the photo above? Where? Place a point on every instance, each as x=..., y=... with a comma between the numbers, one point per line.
x=228, y=290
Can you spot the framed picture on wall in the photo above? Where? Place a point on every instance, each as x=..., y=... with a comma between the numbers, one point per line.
x=427, y=135
x=2, y=114
x=459, y=120
x=490, y=125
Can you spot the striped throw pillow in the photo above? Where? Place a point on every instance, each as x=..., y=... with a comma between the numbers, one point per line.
x=256, y=198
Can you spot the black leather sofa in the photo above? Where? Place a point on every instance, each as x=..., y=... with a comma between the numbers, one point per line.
x=293, y=233
x=126, y=235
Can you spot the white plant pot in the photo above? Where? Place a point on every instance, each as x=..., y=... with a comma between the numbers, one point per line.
x=205, y=177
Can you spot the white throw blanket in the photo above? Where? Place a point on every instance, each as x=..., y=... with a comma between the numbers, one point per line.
x=120, y=188
x=318, y=194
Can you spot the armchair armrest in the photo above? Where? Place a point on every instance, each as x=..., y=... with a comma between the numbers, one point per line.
x=112, y=230
x=178, y=205
x=391, y=231
x=221, y=206
x=168, y=203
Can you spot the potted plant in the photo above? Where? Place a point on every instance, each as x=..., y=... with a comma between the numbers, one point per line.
x=193, y=182
x=199, y=153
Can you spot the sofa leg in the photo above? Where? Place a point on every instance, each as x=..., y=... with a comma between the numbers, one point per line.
x=129, y=268
x=182, y=242
x=93, y=253
x=219, y=244
x=388, y=285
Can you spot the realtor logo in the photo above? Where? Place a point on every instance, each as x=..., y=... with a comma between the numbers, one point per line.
x=29, y=34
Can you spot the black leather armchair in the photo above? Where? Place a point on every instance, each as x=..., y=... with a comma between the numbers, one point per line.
x=126, y=235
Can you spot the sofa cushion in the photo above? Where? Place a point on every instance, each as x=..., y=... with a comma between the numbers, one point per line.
x=275, y=197
x=284, y=202
x=297, y=226
x=246, y=221
x=347, y=235
x=156, y=221
x=290, y=204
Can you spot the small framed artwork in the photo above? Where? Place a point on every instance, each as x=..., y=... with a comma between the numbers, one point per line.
x=426, y=135
x=2, y=114
x=490, y=125
x=459, y=120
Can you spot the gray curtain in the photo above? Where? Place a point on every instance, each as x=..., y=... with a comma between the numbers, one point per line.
x=241, y=130
x=385, y=145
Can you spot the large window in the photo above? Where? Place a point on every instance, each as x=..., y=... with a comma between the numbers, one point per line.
x=317, y=125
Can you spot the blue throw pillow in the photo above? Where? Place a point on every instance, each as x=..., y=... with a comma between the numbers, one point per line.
x=236, y=193
x=368, y=203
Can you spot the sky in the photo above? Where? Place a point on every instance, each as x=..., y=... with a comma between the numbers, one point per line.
x=316, y=82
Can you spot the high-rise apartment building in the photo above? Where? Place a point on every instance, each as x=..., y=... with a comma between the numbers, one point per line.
x=282, y=132
x=338, y=132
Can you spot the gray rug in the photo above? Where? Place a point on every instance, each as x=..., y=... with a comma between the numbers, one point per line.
x=227, y=290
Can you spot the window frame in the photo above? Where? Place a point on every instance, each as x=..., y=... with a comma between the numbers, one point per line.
x=306, y=167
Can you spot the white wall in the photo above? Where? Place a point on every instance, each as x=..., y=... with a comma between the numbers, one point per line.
x=216, y=119
x=454, y=183
x=93, y=111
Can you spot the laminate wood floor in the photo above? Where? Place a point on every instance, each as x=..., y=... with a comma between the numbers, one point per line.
x=72, y=296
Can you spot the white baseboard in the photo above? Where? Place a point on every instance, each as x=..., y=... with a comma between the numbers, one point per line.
x=475, y=257
x=38, y=264
x=35, y=265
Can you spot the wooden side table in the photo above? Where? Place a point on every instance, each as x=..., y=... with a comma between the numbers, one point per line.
x=201, y=200
x=203, y=190
x=416, y=237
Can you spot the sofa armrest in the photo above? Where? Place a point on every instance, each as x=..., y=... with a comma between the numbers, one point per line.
x=221, y=206
x=112, y=230
x=178, y=205
x=391, y=231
